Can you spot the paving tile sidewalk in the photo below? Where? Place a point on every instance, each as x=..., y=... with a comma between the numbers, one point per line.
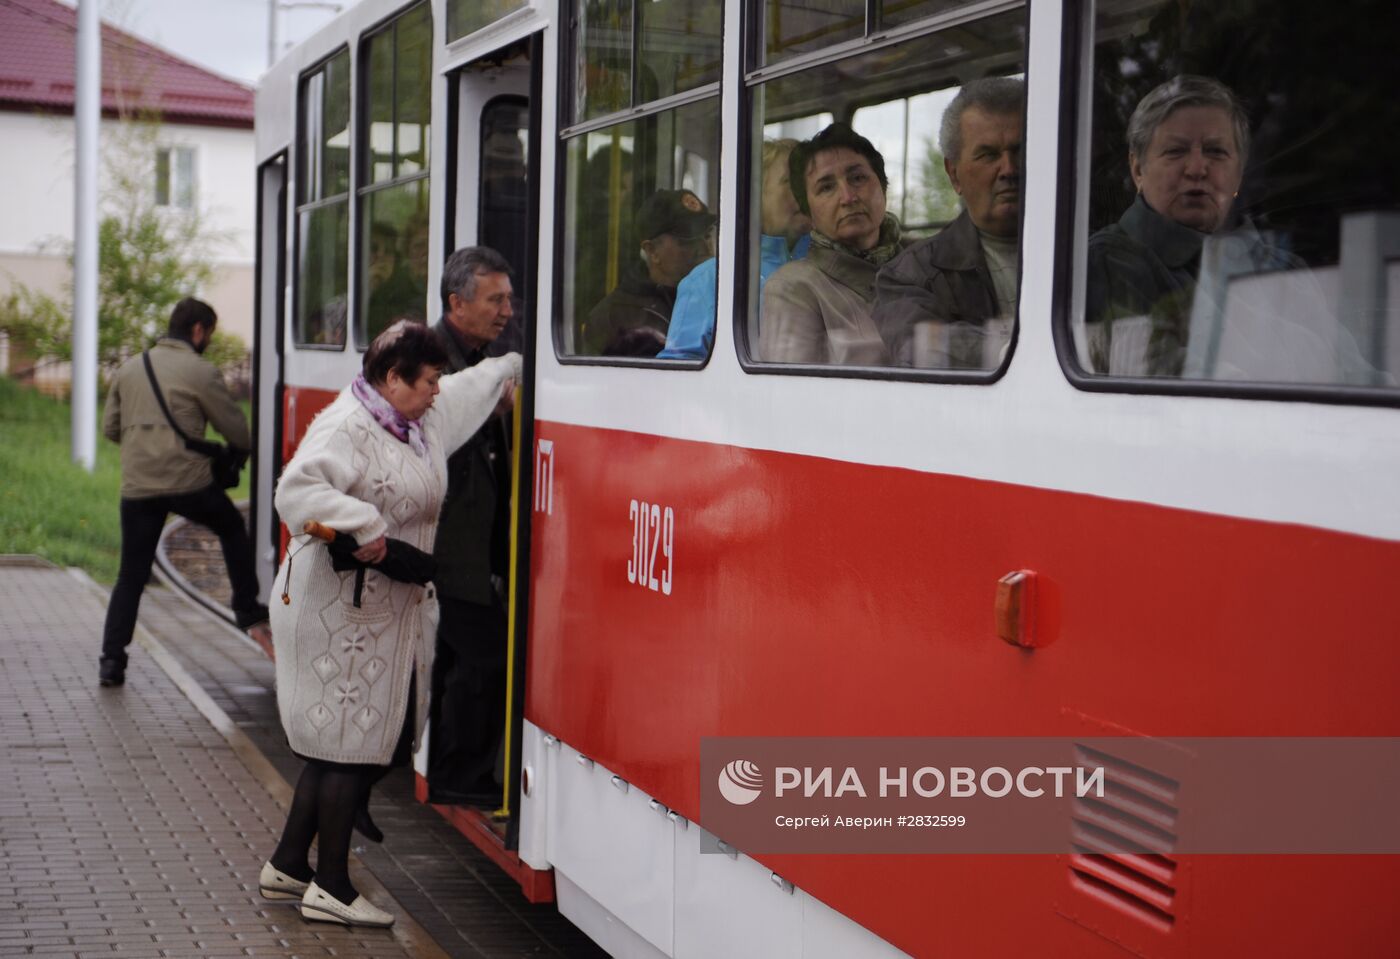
x=464, y=900
x=128, y=825
x=131, y=826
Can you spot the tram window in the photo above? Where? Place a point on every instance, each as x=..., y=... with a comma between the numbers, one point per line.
x=793, y=27
x=639, y=227
x=912, y=261
x=680, y=46
x=465, y=17
x=323, y=204
x=1242, y=220
x=638, y=220
x=393, y=226
x=679, y=49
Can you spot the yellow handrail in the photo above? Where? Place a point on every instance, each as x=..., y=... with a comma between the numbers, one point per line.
x=511, y=592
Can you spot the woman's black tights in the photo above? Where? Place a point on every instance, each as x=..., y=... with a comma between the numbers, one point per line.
x=327, y=799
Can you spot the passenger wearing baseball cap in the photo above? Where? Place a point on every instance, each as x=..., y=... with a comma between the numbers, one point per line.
x=675, y=231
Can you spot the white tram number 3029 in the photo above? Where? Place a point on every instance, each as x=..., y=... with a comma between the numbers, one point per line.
x=653, y=529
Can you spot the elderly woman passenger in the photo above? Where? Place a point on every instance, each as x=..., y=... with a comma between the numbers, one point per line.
x=353, y=665
x=1188, y=140
x=817, y=310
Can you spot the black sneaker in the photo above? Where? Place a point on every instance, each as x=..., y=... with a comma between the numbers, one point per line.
x=111, y=673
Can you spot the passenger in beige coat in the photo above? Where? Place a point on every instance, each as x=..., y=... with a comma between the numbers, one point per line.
x=817, y=310
x=353, y=681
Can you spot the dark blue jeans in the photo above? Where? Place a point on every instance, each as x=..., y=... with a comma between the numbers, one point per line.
x=142, y=521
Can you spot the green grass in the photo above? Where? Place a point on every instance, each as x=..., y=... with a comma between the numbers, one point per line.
x=48, y=504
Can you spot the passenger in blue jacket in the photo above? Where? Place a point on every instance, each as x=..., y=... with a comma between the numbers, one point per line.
x=785, y=229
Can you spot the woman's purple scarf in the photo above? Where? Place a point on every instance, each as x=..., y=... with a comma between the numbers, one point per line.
x=404, y=429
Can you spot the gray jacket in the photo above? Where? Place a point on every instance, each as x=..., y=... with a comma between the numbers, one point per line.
x=154, y=460
x=942, y=279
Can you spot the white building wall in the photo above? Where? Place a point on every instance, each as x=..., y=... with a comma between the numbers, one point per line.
x=36, y=193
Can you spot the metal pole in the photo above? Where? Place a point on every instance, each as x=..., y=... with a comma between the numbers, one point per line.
x=87, y=118
x=271, y=33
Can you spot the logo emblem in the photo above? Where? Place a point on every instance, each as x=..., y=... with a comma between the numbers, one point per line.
x=741, y=782
x=692, y=203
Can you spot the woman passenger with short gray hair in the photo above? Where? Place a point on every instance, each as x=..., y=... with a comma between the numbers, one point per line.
x=1188, y=140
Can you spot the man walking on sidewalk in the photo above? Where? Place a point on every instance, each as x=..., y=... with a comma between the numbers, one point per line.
x=160, y=476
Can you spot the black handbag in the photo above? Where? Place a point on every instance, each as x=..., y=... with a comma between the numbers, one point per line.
x=225, y=461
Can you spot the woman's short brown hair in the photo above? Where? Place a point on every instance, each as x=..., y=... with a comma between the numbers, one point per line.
x=405, y=347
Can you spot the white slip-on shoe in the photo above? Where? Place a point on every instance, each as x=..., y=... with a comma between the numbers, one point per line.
x=273, y=883
x=321, y=906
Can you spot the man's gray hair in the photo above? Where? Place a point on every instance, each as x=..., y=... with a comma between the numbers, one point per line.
x=1185, y=90
x=995, y=95
x=462, y=268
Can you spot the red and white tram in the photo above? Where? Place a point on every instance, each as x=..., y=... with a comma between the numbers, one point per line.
x=727, y=546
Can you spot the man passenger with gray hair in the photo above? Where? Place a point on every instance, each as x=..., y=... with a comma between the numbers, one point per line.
x=949, y=301
x=472, y=550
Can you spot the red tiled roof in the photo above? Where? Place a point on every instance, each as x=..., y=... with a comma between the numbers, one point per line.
x=37, y=38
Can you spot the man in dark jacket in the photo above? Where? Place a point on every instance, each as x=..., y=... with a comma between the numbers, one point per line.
x=472, y=550
x=160, y=476
x=675, y=230
x=948, y=302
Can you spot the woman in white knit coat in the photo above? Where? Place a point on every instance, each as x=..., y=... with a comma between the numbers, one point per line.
x=352, y=682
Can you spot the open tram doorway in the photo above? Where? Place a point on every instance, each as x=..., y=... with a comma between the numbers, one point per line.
x=471, y=766
x=269, y=329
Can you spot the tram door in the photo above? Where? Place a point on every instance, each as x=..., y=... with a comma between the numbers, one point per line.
x=268, y=331
x=492, y=202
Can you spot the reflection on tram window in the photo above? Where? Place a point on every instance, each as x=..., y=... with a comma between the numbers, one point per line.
x=393, y=226
x=379, y=108
x=323, y=204
x=413, y=79
x=792, y=27
x=638, y=218
x=322, y=267
x=465, y=17
x=603, y=64
x=948, y=301
x=399, y=65
x=679, y=49
x=681, y=46
x=505, y=137
x=1236, y=232
x=396, y=254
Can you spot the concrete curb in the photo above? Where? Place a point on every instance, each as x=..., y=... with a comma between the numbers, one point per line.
x=406, y=930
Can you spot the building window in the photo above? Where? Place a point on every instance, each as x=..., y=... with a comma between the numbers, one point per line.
x=394, y=141
x=1240, y=224
x=323, y=204
x=642, y=178
x=175, y=177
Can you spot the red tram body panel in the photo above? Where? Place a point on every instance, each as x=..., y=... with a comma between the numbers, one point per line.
x=800, y=605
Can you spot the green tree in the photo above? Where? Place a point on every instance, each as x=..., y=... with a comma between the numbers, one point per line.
x=149, y=257
x=933, y=202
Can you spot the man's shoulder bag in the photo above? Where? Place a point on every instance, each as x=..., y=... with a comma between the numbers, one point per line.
x=225, y=461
